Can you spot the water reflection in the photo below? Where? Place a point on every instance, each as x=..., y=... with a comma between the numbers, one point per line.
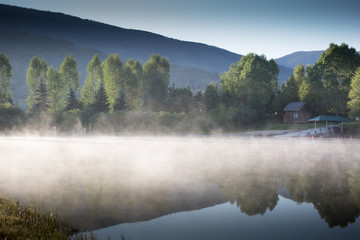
x=99, y=182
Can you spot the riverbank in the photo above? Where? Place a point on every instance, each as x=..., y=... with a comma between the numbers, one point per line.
x=32, y=222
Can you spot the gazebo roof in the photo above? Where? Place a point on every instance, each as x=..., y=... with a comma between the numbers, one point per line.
x=324, y=118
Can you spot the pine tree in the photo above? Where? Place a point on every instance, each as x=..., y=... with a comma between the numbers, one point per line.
x=120, y=102
x=41, y=98
x=211, y=97
x=71, y=101
x=198, y=102
x=101, y=103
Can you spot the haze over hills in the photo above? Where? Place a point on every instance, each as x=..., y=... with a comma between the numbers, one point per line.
x=51, y=36
x=303, y=57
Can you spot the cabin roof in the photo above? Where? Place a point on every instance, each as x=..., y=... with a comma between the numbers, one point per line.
x=294, y=106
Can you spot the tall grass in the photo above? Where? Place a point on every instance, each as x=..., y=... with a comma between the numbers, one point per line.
x=32, y=222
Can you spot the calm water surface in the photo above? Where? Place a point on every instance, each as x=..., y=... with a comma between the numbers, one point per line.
x=190, y=187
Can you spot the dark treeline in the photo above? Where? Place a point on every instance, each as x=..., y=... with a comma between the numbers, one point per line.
x=121, y=93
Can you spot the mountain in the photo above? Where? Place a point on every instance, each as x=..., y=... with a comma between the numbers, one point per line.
x=52, y=36
x=293, y=59
x=110, y=39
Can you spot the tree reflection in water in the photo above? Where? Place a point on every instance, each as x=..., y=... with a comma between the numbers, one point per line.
x=119, y=180
x=327, y=179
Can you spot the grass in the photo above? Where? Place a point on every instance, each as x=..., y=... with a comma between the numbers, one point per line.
x=32, y=222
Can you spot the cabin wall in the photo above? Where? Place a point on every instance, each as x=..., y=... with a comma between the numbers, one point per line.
x=296, y=117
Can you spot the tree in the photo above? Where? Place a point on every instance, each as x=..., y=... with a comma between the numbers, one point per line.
x=5, y=75
x=69, y=73
x=92, y=81
x=71, y=101
x=70, y=77
x=179, y=99
x=211, y=97
x=338, y=65
x=288, y=93
x=251, y=83
x=156, y=81
x=55, y=87
x=198, y=102
x=120, y=102
x=133, y=83
x=35, y=74
x=112, y=70
x=299, y=74
x=41, y=98
x=101, y=103
x=312, y=90
x=354, y=95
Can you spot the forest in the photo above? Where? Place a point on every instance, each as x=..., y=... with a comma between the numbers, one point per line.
x=119, y=97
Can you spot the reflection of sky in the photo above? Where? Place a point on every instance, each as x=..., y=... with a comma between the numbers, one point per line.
x=225, y=221
x=274, y=28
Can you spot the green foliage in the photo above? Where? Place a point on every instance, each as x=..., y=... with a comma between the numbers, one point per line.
x=337, y=65
x=288, y=93
x=42, y=103
x=10, y=117
x=198, y=102
x=354, y=95
x=92, y=82
x=312, y=91
x=156, y=81
x=5, y=75
x=101, y=103
x=35, y=74
x=30, y=222
x=211, y=97
x=71, y=101
x=113, y=70
x=120, y=102
x=299, y=74
x=251, y=83
x=56, y=89
x=69, y=73
x=133, y=84
x=179, y=99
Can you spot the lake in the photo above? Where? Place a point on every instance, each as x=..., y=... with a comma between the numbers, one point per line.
x=223, y=187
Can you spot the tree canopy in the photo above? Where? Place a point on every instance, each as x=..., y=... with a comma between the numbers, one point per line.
x=69, y=73
x=92, y=82
x=354, y=95
x=5, y=75
x=156, y=80
x=113, y=79
x=251, y=83
x=35, y=74
x=337, y=65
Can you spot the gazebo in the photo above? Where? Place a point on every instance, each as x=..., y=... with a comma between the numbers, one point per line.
x=329, y=119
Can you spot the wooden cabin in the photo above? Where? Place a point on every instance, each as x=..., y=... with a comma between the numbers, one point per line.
x=296, y=112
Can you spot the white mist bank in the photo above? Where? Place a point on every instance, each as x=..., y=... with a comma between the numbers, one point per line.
x=102, y=173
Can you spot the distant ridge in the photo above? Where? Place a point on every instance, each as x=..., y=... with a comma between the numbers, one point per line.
x=303, y=57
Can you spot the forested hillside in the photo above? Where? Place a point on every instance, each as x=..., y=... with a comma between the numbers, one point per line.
x=28, y=33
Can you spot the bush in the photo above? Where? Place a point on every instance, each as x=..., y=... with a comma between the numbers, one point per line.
x=11, y=117
x=352, y=129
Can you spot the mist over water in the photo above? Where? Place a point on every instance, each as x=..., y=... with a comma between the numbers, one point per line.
x=103, y=181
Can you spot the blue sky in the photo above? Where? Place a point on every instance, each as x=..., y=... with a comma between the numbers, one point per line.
x=271, y=27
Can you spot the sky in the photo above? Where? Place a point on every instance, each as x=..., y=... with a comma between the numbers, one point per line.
x=271, y=27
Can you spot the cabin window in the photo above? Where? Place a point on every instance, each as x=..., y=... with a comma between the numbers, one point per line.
x=296, y=115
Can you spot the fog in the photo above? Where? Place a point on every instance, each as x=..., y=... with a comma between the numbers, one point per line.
x=101, y=181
